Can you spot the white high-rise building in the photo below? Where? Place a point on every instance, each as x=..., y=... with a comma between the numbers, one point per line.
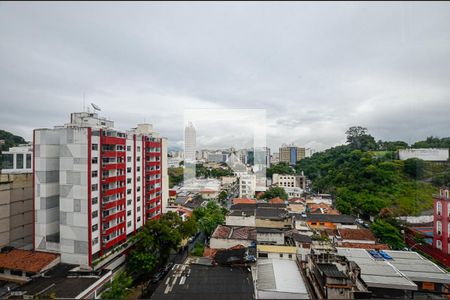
x=95, y=186
x=247, y=185
x=190, y=143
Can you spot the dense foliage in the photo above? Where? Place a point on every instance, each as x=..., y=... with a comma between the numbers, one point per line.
x=10, y=139
x=203, y=172
x=364, y=182
x=433, y=142
x=118, y=288
x=274, y=192
x=175, y=176
x=209, y=217
x=281, y=168
x=388, y=233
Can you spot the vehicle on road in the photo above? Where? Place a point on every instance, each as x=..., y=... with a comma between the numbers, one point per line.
x=168, y=267
x=158, y=276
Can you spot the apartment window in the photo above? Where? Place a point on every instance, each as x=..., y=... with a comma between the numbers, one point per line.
x=95, y=214
x=439, y=208
x=129, y=224
x=128, y=180
x=139, y=219
x=94, y=200
x=28, y=161
x=138, y=169
x=129, y=213
x=129, y=192
x=129, y=170
x=139, y=209
x=263, y=255
x=94, y=147
x=138, y=189
x=138, y=199
x=139, y=180
x=128, y=148
x=94, y=227
x=138, y=158
x=95, y=241
x=281, y=255
x=439, y=244
x=95, y=187
x=128, y=158
x=95, y=160
x=19, y=161
x=138, y=149
x=290, y=255
x=439, y=227
x=94, y=174
x=129, y=202
x=313, y=223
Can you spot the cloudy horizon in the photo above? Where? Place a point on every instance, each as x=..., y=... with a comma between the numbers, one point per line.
x=315, y=68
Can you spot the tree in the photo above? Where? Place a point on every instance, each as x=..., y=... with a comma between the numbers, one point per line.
x=414, y=167
x=189, y=227
x=118, y=288
x=209, y=217
x=175, y=176
x=281, y=168
x=222, y=196
x=358, y=138
x=388, y=234
x=274, y=192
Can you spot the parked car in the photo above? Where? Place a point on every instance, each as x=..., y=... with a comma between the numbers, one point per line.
x=168, y=267
x=158, y=276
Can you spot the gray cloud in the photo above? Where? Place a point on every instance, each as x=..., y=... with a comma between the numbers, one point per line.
x=317, y=68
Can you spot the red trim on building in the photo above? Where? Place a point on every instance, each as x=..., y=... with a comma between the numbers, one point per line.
x=144, y=183
x=89, y=195
x=100, y=188
x=134, y=183
x=34, y=189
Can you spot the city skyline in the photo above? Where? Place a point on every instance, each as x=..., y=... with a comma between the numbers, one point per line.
x=381, y=66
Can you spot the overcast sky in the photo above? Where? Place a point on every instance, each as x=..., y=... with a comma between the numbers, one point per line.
x=316, y=68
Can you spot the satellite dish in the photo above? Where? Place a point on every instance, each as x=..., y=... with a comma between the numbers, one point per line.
x=95, y=106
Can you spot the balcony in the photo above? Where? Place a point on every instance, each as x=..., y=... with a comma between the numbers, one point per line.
x=113, y=166
x=111, y=140
x=115, y=241
x=114, y=191
x=114, y=228
x=114, y=203
x=114, y=216
x=113, y=154
x=113, y=179
x=152, y=144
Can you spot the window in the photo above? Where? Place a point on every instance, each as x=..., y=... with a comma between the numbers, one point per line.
x=439, y=244
x=439, y=208
x=138, y=149
x=263, y=255
x=128, y=148
x=129, y=170
x=290, y=255
x=138, y=158
x=129, y=224
x=313, y=223
x=139, y=180
x=94, y=174
x=139, y=219
x=129, y=202
x=94, y=200
x=139, y=209
x=95, y=214
x=19, y=161
x=28, y=161
x=138, y=169
x=439, y=227
x=95, y=241
x=138, y=199
x=7, y=162
x=138, y=189
x=94, y=147
x=321, y=224
x=128, y=158
x=281, y=255
x=94, y=227
x=129, y=213
x=95, y=187
x=128, y=180
x=95, y=160
x=129, y=192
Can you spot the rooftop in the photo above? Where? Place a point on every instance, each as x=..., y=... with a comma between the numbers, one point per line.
x=271, y=213
x=277, y=249
x=365, y=246
x=189, y=281
x=357, y=234
x=238, y=233
x=344, y=219
x=26, y=260
x=243, y=201
x=330, y=270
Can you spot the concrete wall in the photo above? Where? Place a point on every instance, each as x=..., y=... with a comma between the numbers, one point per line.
x=215, y=243
x=270, y=238
x=429, y=154
x=265, y=223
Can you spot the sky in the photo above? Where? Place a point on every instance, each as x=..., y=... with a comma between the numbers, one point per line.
x=315, y=68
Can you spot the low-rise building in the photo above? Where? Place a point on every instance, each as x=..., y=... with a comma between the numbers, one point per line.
x=247, y=186
x=267, y=217
x=427, y=154
x=326, y=221
x=270, y=236
x=225, y=237
x=353, y=236
x=17, y=160
x=289, y=181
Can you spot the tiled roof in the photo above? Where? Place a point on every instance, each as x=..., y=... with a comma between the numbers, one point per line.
x=364, y=246
x=26, y=260
x=357, y=234
x=276, y=200
x=221, y=232
x=238, y=233
x=345, y=219
x=271, y=213
x=243, y=201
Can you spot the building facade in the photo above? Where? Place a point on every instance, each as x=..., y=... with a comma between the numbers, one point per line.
x=190, y=143
x=94, y=186
x=247, y=186
x=441, y=224
x=17, y=160
x=427, y=154
x=291, y=154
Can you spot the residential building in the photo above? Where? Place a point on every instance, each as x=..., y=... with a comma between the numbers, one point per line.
x=289, y=181
x=291, y=154
x=427, y=154
x=268, y=217
x=335, y=277
x=441, y=221
x=16, y=210
x=269, y=236
x=247, y=185
x=225, y=237
x=190, y=143
x=17, y=160
x=218, y=157
x=275, y=158
x=241, y=218
x=94, y=186
x=325, y=221
x=354, y=236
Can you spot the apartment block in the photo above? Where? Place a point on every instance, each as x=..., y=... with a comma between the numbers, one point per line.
x=291, y=154
x=441, y=223
x=95, y=186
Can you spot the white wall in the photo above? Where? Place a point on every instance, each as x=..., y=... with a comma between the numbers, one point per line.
x=240, y=221
x=215, y=243
x=429, y=154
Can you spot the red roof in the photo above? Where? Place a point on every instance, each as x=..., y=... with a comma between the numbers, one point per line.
x=243, y=201
x=26, y=260
x=365, y=246
x=357, y=234
x=239, y=233
x=276, y=200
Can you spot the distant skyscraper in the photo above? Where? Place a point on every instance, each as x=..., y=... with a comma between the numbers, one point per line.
x=190, y=142
x=291, y=154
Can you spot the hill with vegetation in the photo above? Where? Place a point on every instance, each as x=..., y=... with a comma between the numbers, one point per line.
x=10, y=139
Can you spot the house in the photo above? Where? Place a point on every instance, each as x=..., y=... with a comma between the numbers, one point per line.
x=270, y=236
x=335, y=277
x=225, y=237
x=243, y=201
x=276, y=200
x=354, y=236
x=327, y=221
x=296, y=205
x=276, y=251
x=19, y=265
x=264, y=215
x=267, y=217
x=241, y=218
